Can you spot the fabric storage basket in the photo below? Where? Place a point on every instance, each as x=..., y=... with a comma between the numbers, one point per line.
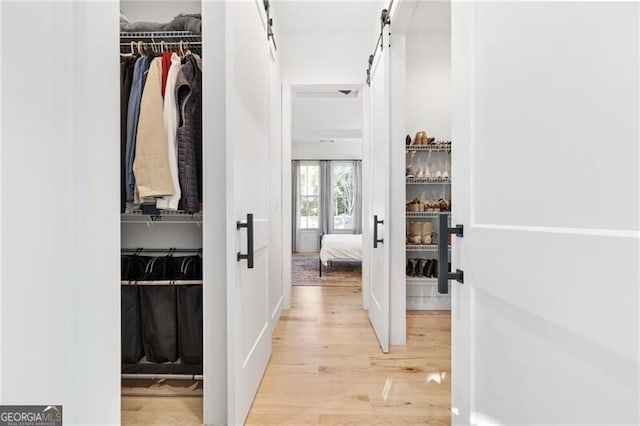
x=190, y=312
x=159, y=317
x=190, y=323
x=130, y=325
x=131, y=349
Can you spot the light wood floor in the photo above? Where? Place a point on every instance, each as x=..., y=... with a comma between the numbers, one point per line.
x=327, y=368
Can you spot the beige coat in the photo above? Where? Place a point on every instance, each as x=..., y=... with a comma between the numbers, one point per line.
x=151, y=165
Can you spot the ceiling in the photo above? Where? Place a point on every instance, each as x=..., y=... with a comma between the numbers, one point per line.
x=337, y=16
x=354, y=16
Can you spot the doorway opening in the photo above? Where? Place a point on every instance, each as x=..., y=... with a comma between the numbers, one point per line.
x=161, y=211
x=326, y=186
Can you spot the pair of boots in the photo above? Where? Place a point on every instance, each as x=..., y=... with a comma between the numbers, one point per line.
x=422, y=268
x=420, y=233
x=427, y=268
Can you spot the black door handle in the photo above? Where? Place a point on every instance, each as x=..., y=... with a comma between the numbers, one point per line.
x=443, y=254
x=376, y=222
x=249, y=226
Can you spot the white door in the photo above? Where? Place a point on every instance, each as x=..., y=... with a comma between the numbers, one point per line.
x=249, y=335
x=546, y=161
x=379, y=178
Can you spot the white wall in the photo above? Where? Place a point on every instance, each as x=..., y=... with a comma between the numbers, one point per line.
x=161, y=235
x=338, y=150
x=327, y=116
x=157, y=10
x=331, y=58
x=429, y=83
x=276, y=212
x=60, y=197
x=327, y=128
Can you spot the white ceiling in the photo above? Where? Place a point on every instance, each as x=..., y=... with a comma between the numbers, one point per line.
x=337, y=16
x=354, y=16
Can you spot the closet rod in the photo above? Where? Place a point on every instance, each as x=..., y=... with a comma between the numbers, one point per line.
x=161, y=282
x=161, y=250
x=163, y=376
x=164, y=43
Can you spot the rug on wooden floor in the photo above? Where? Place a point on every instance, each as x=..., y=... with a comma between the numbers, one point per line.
x=304, y=271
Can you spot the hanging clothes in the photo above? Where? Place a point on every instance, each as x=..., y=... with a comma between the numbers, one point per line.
x=189, y=134
x=127, y=64
x=151, y=163
x=170, y=113
x=133, y=114
x=166, y=65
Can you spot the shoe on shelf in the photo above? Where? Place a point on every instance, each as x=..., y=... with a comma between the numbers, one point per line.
x=426, y=270
x=415, y=233
x=427, y=229
x=410, y=268
x=419, y=138
x=407, y=140
x=433, y=272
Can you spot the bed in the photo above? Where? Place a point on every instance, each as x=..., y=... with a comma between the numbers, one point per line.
x=340, y=247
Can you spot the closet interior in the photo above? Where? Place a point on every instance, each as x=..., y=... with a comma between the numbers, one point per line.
x=427, y=143
x=161, y=184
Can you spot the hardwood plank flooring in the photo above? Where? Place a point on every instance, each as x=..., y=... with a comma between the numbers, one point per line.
x=327, y=368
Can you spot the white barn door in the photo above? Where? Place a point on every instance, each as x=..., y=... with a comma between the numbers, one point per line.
x=546, y=164
x=248, y=315
x=380, y=101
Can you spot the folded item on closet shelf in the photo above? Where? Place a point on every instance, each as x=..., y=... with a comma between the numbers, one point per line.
x=151, y=163
x=182, y=22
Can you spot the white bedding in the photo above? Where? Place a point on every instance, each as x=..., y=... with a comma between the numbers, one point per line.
x=341, y=247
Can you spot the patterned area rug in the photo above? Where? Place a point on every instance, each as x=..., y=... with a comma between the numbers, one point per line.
x=304, y=271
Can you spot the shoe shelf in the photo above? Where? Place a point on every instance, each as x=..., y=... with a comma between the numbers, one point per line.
x=431, y=195
x=421, y=281
x=421, y=181
x=425, y=215
x=423, y=247
x=429, y=148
